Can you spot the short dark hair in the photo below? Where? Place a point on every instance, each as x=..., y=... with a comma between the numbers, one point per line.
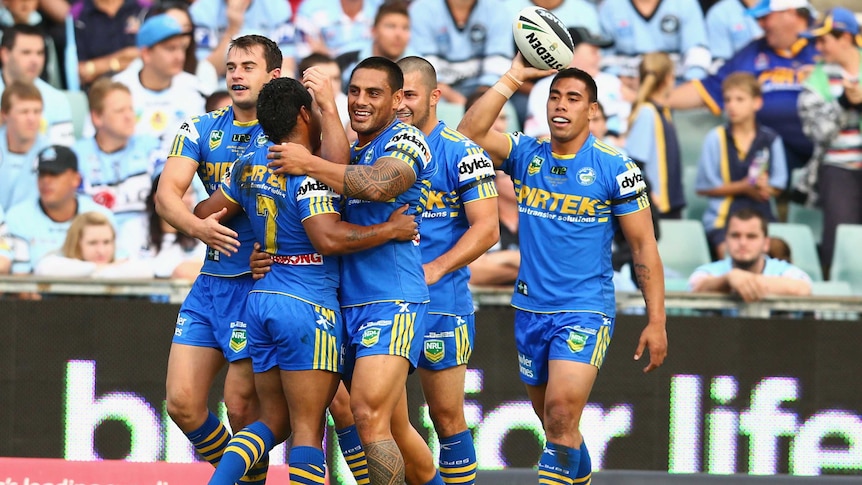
x=747, y=214
x=394, y=76
x=390, y=7
x=278, y=105
x=10, y=34
x=574, y=72
x=314, y=59
x=423, y=67
x=271, y=52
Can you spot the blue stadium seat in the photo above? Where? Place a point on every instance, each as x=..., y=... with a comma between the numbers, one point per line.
x=682, y=246
x=695, y=205
x=691, y=128
x=803, y=250
x=80, y=110
x=846, y=260
x=831, y=288
x=813, y=218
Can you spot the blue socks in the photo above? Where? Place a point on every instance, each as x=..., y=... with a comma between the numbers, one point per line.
x=210, y=439
x=558, y=464
x=243, y=451
x=458, y=459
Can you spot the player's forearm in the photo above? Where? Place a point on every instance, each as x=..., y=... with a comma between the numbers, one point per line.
x=779, y=285
x=171, y=208
x=472, y=244
x=386, y=179
x=479, y=119
x=334, y=145
x=346, y=238
x=650, y=277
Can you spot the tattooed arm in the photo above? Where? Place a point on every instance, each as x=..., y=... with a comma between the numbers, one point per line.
x=638, y=230
x=330, y=235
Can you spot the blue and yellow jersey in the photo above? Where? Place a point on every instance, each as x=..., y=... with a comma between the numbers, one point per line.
x=781, y=75
x=567, y=206
x=391, y=271
x=464, y=174
x=214, y=141
x=276, y=206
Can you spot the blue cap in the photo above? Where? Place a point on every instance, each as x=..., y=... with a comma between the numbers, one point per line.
x=765, y=7
x=838, y=19
x=157, y=29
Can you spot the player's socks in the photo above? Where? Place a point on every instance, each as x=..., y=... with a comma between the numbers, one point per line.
x=256, y=475
x=306, y=466
x=437, y=480
x=244, y=450
x=458, y=459
x=210, y=439
x=557, y=464
x=354, y=455
x=584, y=473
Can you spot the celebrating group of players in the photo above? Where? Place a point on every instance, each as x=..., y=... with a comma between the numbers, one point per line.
x=346, y=298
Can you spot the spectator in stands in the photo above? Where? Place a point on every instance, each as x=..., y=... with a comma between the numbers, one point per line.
x=218, y=99
x=730, y=27
x=780, y=60
x=105, y=33
x=202, y=68
x=39, y=224
x=830, y=107
x=329, y=68
x=22, y=54
x=652, y=141
x=335, y=28
x=5, y=245
x=390, y=38
x=162, y=92
x=747, y=271
x=58, y=24
x=116, y=164
x=469, y=43
x=20, y=142
x=148, y=238
x=218, y=21
x=672, y=26
x=89, y=250
x=615, y=98
x=572, y=13
x=599, y=129
x=741, y=164
x=25, y=12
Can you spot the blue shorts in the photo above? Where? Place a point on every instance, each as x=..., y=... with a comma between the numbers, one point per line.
x=293, y=334
x=386, y=328
x=448, y=341
x=575, y=336
x=214, y=315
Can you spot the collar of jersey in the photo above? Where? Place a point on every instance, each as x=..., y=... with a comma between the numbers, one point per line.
x=795, y=49
x=244, y=123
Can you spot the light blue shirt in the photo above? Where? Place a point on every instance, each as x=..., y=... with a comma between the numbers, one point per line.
x=34, y=234
x=264, y=17
x=729, y=28
x=773, y=267
x=325, y=19
x=572, y=13
x=5, y=241
x=18, y=171
x=56, y=113
x=121, y=180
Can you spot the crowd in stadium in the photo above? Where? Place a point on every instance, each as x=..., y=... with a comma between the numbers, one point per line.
x=94, y=92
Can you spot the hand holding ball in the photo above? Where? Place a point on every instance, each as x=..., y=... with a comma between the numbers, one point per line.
x=542, y=39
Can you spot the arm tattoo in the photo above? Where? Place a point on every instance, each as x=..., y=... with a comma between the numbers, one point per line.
x=358, y=235
x=385, y=464
x=384, y=180
x=642, y=274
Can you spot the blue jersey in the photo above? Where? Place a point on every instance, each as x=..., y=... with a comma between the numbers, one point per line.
x=464, y=174
x=730, y=28
x=721, y=163
x=34, y=234
x=676, y=27
x=121, y=180
x=214, y=141
x=276, y=206
x=467, y=56
x=781, y=76
x=393, y=270
x=773, y=267
x=269, y=19
x=567, y=206
x=17, y=171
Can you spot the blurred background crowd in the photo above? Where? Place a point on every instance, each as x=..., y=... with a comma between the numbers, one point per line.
x=729, y=106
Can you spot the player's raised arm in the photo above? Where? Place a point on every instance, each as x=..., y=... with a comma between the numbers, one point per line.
x=477, y=121
x=334, y=145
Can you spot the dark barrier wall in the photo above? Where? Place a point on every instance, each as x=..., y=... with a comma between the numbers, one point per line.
x=84, y=378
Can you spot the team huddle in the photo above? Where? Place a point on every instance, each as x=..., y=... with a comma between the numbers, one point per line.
x=320, y=293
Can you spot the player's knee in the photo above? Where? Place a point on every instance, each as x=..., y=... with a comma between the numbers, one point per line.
x=241, y=410
x=448, y=420
x=561, y=417
x=184, y=409
x=370, y=420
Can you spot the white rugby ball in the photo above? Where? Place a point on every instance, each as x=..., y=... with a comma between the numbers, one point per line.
x=542, y=39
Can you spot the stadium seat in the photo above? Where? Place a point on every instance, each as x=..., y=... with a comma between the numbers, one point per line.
x=450, y=113
x=803, y=250
x=80, y=110
x=695, y=205
x=682, y=246
x=676, y=284
x=831, y=288
x=813, y=218
x=846, y=260
x=691, y=128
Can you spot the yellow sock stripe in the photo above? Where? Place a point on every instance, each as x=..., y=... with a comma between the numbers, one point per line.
x=255, y=440
x=260, y=477
x=461, y=469
x=242, y=454
x=554, y=476
x=584, y=479
x=356, y=456
x=466, y=478
x=306, y=475
x=205, y=450
x=219, y=430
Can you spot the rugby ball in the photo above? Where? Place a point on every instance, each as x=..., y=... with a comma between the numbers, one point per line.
x=542, y=39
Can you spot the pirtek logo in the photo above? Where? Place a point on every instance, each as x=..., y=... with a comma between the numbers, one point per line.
x=473, y=166
x=542, y=52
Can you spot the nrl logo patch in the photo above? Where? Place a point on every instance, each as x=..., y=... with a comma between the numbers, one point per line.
x=370, y=336
x=215, y=139
x=435, y=350
x=576, y=341
x=237, y=339
x=535, y=165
